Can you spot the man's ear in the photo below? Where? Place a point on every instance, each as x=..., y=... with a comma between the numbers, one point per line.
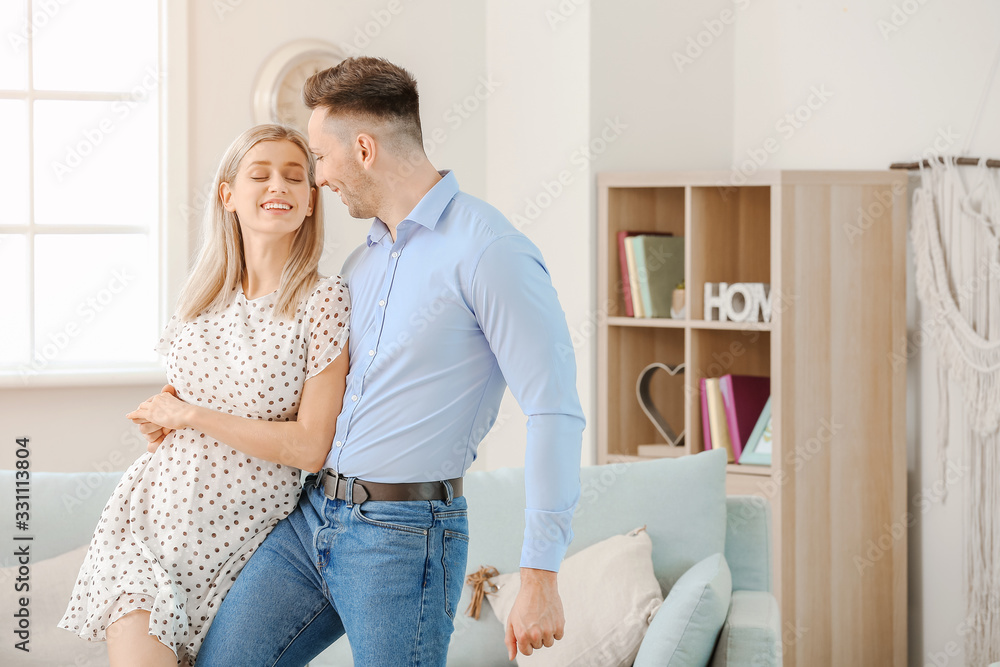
x=366, y=150
x=226, y=195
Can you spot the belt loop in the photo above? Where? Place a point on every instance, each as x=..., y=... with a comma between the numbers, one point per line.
x=348, y=490
x=318, y=480
x=449, y=492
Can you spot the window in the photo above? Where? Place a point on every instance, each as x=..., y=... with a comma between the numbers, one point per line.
x=81, y=233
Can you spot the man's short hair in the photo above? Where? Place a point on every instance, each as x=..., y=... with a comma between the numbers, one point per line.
x=371, y=89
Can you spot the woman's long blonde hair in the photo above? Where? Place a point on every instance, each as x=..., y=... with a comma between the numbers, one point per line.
x=220, y=266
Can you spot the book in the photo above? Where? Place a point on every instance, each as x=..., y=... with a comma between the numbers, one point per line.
x=744, y=397
x=706, y=429
x=759, y=444
x=660, y=268
x=633, y=277
x=624, y=265
x=717, y=418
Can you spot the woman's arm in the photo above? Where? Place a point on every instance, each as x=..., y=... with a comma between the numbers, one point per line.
x=303, y=443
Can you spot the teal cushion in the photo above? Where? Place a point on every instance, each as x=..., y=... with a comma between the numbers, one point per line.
x=684, y=631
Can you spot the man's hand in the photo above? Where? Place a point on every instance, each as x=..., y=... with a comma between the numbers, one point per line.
x=536, y=619
x=154, y=433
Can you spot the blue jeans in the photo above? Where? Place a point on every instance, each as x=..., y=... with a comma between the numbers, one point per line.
x=389, y=574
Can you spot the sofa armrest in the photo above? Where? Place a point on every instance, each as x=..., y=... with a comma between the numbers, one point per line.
x=751, y=635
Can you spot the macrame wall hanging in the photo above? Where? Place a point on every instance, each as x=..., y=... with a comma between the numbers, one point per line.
x=956, y=241
x=955, y=228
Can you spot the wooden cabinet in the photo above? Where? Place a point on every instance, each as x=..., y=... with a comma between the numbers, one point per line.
x=832, y=245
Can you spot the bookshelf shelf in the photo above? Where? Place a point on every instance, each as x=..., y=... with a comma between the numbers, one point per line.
x=707, y=325
x=838, y=312
x=664, y=323
x=659, y=322
x=738, y=469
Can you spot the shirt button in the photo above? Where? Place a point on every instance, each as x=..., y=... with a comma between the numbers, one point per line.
x=354, y=398
x=340, y=444
x=382, y=302
x=371, y=353
x=395, y=254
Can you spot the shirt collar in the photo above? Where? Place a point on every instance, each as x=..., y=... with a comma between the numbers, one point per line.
x=428, y=210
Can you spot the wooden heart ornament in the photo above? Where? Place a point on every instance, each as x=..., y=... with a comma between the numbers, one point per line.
x=646, y=403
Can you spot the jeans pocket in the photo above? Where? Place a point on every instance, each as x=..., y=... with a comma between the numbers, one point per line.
x=410, y=517
x=454, y=557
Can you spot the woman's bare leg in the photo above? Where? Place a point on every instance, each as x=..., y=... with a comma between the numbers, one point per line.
x=131, y=645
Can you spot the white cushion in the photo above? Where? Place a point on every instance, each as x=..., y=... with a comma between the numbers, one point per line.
x=609, y=595
x=51, y=584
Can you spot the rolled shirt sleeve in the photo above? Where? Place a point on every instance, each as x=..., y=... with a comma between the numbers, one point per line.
x=518, y=310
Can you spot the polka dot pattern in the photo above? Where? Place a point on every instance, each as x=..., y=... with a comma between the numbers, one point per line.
x=184, y=520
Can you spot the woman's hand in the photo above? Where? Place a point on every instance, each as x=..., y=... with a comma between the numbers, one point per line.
x=164, y=411
x=154, y=433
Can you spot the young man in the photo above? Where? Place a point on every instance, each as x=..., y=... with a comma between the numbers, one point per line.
x=450, y=305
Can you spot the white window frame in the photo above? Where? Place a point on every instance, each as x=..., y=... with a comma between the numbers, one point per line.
x=171, y=233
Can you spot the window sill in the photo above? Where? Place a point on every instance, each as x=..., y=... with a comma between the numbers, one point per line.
x=84, y=377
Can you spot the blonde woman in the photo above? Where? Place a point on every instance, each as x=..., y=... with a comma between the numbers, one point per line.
x=256, y=361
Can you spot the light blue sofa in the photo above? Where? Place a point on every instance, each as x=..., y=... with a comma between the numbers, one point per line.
x=681, y=501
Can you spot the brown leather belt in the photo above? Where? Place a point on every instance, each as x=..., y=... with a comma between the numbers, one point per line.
x=335, y=486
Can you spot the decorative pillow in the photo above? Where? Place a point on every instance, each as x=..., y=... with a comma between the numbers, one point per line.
x=609, y=594
x=51, y=583
x=684, y=631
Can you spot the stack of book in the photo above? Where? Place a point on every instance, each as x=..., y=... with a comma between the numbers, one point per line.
x=736, y=416
x=652, y=266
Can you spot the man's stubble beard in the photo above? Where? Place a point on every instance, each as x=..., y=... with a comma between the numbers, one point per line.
x=364, y=200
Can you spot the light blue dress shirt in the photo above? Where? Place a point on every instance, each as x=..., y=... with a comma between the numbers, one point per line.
x=442, y=321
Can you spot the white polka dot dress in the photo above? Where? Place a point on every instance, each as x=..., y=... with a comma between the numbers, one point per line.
x=184, y=520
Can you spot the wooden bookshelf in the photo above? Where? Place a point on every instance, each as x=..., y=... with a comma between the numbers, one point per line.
x=838, y=392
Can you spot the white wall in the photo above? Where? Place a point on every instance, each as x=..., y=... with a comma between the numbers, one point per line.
x=678, y=116
x=536, y=122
